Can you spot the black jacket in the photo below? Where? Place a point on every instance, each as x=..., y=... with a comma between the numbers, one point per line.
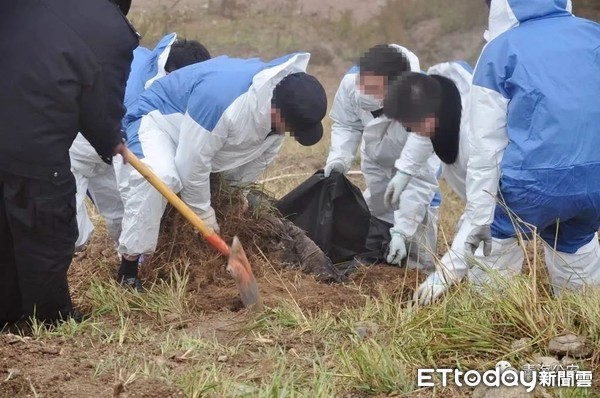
x=63, y=69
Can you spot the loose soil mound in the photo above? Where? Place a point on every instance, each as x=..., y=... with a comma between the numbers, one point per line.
x=282, y=262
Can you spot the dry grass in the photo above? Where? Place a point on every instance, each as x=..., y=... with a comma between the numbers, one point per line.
x=188, y=335
x=297, y=345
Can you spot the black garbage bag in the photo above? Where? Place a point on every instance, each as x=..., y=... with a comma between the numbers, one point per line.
x=332, y=212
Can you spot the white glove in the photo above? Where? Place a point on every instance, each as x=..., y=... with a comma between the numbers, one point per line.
x=391, y=197
x=397, y=249
x=479, y=233
x=432, y=288
x=334, y=166
x=210, y=219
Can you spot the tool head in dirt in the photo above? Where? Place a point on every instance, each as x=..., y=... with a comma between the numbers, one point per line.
x=241, y=271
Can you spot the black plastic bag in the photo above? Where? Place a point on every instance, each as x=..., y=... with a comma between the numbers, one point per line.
x=332, y=212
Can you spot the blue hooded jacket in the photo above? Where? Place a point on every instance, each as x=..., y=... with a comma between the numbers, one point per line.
x=535, y=116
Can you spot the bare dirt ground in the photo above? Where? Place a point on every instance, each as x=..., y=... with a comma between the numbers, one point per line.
x=60, y=367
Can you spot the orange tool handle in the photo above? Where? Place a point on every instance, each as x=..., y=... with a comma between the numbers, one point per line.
x=209, y=234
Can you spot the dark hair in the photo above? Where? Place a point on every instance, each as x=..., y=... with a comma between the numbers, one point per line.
x=384, y=60
x=185, y=52
x=489, y=3
x=413, y=97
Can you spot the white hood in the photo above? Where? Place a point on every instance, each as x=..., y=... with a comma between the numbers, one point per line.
x=506, y=14
x=415, y=66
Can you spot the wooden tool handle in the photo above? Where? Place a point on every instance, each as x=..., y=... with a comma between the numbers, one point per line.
x=209, y=234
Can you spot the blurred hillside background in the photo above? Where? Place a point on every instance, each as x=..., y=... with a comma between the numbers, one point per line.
x=335, y=32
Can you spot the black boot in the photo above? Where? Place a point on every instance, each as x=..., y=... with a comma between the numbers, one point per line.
x=128, y=274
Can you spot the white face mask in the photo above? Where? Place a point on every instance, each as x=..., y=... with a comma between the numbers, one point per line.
x=367, y=102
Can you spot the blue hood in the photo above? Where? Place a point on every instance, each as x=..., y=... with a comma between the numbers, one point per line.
x=147, y=66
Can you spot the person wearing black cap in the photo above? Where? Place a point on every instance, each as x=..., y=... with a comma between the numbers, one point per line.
x=297, y=108
x=224, y=115
x=65, y=64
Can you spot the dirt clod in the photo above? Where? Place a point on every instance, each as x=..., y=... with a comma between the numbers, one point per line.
x=571, y=345
x=502, y=392
x=567, y=361
x=118, y=388
x=523, y=345
x=12, y=373
x=543, y=361
x=366, y=329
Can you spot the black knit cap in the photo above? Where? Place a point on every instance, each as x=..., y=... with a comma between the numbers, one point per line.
x=302, y=101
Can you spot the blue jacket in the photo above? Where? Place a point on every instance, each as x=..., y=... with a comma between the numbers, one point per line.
x=218, y=115
x=535, y=116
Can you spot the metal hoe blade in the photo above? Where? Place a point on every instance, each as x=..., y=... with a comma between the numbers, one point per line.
x=241, y=271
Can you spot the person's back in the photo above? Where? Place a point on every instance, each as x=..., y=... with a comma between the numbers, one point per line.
x=534, y=125
x=211, y=94
x=548, y=67
x=65, y=64
x=146, y=67
x=59, y=67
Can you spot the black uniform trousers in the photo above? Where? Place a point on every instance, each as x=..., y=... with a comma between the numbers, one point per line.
x=38, y=230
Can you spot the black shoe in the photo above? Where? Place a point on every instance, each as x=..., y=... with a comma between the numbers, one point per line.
x=78, y=316
x=132, y=282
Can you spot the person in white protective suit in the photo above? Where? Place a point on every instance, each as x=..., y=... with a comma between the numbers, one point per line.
x=534, y=142
x=223, y=115
x=433, y=105
x=95, y=177
x=387, y=148
x=533, y=159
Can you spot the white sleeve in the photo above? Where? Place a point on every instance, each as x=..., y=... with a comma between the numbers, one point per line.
x=249, y=173
x=416, y=199
x=193, y=159
x=487, y=141
x=347, y=126
x=417, y=150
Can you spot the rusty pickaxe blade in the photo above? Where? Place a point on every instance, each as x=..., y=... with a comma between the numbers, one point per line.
x=237, y=264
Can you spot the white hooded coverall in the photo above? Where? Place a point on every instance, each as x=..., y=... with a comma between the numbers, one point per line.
x=98, y=178
x=205, y=118
x=387, y=147
x=534, y=140
x=453, y=267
